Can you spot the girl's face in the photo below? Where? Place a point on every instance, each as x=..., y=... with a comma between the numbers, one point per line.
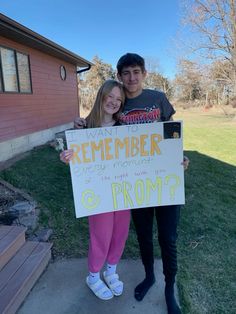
x=112, y=101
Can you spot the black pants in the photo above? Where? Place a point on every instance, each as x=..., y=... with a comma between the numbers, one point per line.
x=167, y=218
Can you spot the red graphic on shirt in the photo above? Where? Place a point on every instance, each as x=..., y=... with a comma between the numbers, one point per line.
x=140, y=116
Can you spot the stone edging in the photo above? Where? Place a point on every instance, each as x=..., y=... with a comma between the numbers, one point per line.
x=16, y=190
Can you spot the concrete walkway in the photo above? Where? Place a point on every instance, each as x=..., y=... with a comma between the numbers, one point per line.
x=62, y=290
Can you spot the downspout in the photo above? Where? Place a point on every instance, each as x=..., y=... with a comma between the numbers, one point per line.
x=83, y=70
x=78, y=72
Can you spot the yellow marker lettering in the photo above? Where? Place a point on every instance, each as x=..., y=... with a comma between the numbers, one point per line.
x=76, y=149
x=139, y=192
x=97, y=147
x=153, y=186
x=127, y=199
x=142, y=144
x=155, y=139
x=134, y=146
x=116, y=189
x=108, y=148
x=89, y=199
x=174, y=186
x=120, y=145
x=84, y=152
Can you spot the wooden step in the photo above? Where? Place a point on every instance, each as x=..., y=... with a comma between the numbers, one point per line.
x=20, y=274
x=11, y=239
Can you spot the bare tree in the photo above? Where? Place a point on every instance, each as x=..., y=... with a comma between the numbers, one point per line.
x=158, y=82
x=90, y=82
x=188, y=81
x=220, y=71
x=155, y=79
x=214, y=23
x=152, y=64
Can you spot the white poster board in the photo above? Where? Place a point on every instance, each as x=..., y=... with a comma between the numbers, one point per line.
x=123, y=167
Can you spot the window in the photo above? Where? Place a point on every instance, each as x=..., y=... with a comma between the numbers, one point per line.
x=14, y=72
x=0, y=82
x=24, y=73
x=63, y=72
x=9, y=70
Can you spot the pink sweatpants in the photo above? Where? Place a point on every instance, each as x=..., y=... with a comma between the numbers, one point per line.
x=108, y=234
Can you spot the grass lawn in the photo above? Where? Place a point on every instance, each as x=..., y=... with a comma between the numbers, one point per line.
x=207, y=231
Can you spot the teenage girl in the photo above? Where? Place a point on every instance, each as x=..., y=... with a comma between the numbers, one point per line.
x=108, y=231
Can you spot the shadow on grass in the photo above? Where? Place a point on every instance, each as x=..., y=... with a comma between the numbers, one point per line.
x=207, y=239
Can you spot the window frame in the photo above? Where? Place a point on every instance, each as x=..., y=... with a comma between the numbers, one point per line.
x=1, y=77
x=2, y=90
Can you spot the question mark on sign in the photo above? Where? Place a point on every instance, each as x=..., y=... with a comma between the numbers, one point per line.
x=174, y=186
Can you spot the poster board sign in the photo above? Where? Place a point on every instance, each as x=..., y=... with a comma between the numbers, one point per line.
x=129, y=166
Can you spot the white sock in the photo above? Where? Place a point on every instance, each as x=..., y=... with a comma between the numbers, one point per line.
x=111, y=269
x=93, y=277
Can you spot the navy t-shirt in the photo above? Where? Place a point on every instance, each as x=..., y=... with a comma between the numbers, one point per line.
x=149, y=106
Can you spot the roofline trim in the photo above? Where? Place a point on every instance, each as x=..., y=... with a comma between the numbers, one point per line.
x=16, y=27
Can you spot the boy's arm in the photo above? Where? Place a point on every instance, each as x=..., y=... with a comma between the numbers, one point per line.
x=79, y=123
x=186, y=160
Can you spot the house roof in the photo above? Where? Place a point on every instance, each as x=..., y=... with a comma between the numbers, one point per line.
x=21, y=34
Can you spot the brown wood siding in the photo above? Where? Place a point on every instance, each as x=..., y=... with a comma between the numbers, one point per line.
x=53, y=102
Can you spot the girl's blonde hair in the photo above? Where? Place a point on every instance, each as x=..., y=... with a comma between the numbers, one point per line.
x=94, y=119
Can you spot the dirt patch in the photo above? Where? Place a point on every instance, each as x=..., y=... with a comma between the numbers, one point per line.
x=25, y=212
x=10, y=197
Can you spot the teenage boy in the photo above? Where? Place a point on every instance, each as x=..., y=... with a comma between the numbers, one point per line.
x=146, y=106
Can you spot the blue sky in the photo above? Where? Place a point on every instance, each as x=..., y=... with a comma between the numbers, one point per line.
x=104, y=28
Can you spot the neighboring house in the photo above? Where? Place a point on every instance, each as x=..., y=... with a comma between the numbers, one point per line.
x=38, y=88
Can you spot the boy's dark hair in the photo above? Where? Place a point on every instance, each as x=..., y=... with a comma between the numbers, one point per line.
x=130, y=59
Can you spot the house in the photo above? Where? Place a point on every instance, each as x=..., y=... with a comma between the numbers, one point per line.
x=38, y=88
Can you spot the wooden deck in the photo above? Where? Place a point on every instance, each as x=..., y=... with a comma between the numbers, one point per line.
x=22, y=263
x=11, y=239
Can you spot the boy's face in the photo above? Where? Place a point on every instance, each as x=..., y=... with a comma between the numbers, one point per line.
x=132, y=78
